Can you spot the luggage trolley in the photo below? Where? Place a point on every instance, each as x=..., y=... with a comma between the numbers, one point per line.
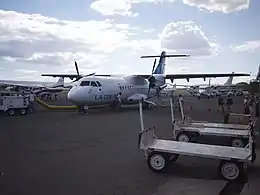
x=187, y=131
x=159, y=153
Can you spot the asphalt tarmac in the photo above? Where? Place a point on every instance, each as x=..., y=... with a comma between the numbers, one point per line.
x=58, y=152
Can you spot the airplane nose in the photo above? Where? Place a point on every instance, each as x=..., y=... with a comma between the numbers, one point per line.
x=77, y=95
x=71, y=95
x=74, y=95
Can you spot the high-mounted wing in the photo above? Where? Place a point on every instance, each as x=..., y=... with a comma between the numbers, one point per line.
x=192, y=76
x=73, y=76
x=17, y=84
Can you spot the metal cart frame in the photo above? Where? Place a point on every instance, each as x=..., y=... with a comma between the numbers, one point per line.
x=187, y=130
x=160, y=153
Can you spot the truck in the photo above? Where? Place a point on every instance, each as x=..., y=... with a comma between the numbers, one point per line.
x=11, y=103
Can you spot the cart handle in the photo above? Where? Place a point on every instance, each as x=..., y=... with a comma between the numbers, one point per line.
x=145, y=137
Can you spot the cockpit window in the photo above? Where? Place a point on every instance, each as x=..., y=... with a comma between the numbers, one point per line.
x=84, y=83
x=98, y=83
x=93, y=84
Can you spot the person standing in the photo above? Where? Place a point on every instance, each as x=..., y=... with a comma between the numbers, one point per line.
x=229, y=102
x=32, y=101
x=246, y=108
x=250, y=104
x=221, y=103
x=119, y=102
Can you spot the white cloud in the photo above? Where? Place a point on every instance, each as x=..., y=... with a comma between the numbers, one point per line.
x=36, y=44
x=187, y=37
x=113, y=7
x=249, y=46
x=124, y=7
x=226, y=6
x=44, y=43
x=120, y=7
x=48, y=41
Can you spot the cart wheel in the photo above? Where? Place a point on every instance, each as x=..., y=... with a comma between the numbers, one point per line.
x=173, y=157
x=11, y=112
x=183, y=137
x=23, y=111
x=158, y=162
x=231, y=170
x=237, y=142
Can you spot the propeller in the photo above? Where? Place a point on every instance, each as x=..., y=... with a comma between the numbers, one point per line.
x=80, y=76
x=151, y=79
x=77, y=68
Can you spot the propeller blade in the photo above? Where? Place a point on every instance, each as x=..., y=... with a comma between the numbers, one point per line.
x=153, y=65
x=90, y=74
x=76, y=66
x=77, y=79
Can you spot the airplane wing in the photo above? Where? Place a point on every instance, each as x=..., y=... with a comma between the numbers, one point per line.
x=192, y=76
x=168, y=76
x=61, y=75
x=72, y=76
x=10, y=83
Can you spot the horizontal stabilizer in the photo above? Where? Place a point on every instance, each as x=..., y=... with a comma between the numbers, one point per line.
x=168, y=56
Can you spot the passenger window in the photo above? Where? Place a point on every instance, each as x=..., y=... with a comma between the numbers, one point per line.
x=98, y=83
x=84, y=83
x=93, y=84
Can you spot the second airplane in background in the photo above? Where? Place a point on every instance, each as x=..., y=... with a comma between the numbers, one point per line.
x=96, y=89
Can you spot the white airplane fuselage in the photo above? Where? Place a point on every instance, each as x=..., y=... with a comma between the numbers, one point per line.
x=105, y=90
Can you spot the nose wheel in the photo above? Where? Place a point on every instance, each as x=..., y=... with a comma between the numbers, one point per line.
x=83, y=109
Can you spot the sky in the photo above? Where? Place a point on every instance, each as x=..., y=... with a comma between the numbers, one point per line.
x=110, y=36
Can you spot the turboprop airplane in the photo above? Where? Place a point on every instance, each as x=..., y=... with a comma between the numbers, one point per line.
x=94, y=89
x=210, y=90
x=36, y=87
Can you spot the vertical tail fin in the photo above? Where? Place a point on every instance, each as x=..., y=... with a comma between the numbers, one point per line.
x=258, y=73
x=60, y=82
x=229, y=81
x=160, y=69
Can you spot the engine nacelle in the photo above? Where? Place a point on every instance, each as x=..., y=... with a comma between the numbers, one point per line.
x=156, y=81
